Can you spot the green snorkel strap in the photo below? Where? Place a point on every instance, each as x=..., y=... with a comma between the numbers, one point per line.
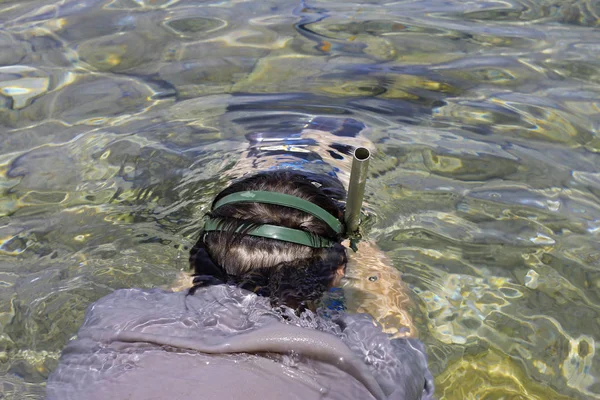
x=279, y=232
x=275, y=232
x=285, y=200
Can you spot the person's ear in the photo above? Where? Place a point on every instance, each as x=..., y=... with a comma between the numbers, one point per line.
x=340, y=272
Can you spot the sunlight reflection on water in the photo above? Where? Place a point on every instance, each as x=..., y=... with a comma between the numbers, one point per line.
x=118, y=119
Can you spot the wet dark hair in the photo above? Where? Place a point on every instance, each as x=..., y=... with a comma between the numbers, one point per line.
x=286, y=272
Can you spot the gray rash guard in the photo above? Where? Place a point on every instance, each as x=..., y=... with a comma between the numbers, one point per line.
x=224, y=342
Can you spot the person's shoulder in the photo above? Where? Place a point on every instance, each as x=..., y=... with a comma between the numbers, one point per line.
x=135, y=296
x=399, y=364
x=359, y=325
x=125, y=304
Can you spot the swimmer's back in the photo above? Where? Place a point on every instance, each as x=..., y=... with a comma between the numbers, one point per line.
x=144, y=344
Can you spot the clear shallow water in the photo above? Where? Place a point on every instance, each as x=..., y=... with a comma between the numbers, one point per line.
x=119, y=118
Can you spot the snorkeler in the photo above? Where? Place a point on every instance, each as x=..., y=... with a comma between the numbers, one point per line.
x=322, y=150
x=249, y=328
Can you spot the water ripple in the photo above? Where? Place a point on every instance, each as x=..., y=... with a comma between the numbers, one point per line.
x=120, y=120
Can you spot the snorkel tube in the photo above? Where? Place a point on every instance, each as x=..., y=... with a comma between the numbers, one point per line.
x=356, y=193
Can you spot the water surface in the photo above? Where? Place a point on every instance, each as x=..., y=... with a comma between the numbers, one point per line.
x=119, y=118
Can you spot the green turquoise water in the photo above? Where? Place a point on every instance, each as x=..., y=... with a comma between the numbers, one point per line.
x=118, y=120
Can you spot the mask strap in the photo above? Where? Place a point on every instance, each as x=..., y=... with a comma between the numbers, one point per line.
x=275, y=232
x=285, y=200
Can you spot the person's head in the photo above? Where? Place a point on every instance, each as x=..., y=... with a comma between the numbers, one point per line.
x=288, y=272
